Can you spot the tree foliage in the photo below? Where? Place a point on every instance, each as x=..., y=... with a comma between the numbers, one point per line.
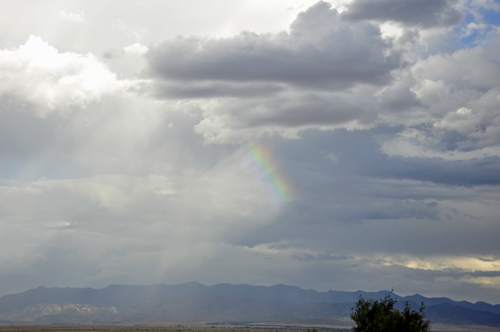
x=380, y=316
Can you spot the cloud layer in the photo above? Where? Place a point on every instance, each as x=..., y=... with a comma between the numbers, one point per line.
x=424, y=14
x=128, y=162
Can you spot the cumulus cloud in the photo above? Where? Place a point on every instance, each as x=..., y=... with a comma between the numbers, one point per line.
x=459, y=93
x=324, y=72
x=320, y=51
x=37, y=72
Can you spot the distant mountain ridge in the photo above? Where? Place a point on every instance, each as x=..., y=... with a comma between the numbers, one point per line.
x=223, y=302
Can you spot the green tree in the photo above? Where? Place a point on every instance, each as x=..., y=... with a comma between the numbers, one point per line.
x=380, y=316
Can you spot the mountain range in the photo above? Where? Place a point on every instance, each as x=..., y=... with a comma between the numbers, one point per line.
x=194, y=302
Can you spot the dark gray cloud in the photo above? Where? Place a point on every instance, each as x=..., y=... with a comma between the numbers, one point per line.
x=320, y=51
x=308, y=109
x=389, y=204
x=360, y=154
x=421, y=13
x=194, y=90
x=399, y=97
x=323, y=206
x=321, y=257
x=230, y=120
x=477, y=171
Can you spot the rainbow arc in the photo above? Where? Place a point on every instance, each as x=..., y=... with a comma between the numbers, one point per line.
x=261, y=161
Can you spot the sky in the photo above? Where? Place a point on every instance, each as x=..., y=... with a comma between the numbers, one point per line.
x=343, y=144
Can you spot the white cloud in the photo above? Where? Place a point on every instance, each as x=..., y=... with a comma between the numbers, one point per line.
x=486, y=282
x=440, y=263
x=136, y=48
x=38, y=73
x=72, y=17
x=474, y=27
x=463, y=120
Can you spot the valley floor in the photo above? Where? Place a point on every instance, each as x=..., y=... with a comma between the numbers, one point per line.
x=215, y=327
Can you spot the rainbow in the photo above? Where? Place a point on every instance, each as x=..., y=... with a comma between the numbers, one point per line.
x=260, y=160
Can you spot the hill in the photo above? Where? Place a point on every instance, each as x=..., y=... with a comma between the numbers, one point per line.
x=194, y=302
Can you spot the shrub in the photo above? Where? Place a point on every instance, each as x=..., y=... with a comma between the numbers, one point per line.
x=380, y=316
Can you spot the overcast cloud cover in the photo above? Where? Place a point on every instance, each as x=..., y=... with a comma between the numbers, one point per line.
x=129, y=130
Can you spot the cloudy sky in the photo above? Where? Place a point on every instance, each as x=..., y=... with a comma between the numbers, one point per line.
x=342, y=144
